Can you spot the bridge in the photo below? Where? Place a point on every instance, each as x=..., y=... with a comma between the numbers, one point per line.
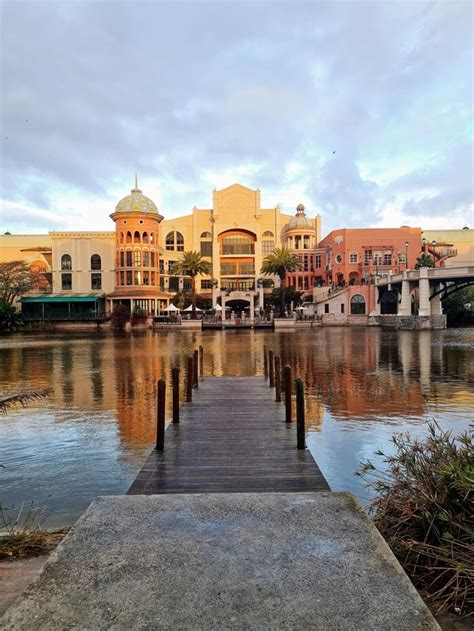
x=420, y=292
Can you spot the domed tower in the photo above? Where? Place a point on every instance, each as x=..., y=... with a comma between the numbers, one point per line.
x=301, y=237
x=137, y=277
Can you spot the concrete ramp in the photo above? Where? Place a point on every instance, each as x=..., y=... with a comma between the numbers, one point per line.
x=222, y=561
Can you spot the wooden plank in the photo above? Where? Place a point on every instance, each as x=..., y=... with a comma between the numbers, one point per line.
x=231, y=439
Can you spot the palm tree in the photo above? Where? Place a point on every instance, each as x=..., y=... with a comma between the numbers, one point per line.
x=279, y=263
x=192, y=264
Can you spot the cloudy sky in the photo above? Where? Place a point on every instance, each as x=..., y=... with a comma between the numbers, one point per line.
x=360, y=110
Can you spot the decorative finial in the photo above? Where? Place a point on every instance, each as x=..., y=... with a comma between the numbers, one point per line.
x=300, y=209
x=136, y=180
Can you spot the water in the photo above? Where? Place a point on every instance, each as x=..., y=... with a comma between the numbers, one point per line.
x=93, y=433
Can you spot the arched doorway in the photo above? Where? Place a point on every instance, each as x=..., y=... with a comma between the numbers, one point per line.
x=389, y=303
x=238, y=306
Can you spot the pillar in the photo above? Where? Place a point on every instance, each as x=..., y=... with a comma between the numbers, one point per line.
x=252, y=308
x=424, y=287
x=404, y=308
x=376, y=310
x=436, y=304
x=260, y=297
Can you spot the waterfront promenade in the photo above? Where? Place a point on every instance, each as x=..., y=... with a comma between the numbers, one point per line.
x=230, y=527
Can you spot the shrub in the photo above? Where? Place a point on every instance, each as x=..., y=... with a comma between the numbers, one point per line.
x=424, y=508
x=120, y=316
x=10, y=319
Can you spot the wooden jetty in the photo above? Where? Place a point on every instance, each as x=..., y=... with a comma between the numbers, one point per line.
x=231, y=438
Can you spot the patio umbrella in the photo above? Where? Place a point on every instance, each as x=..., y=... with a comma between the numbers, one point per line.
x=171, y=308
x=190, y=308
x=217, y=307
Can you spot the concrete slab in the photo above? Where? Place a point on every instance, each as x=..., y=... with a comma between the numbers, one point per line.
x=218, y=561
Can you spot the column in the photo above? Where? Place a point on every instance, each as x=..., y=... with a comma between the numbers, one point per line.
x=436, y=304
x=424, y=286
x=376, y=310
x=252, y=308
x=404, y=308
x=260, y=297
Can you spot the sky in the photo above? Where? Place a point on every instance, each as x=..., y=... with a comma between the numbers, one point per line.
x=362, y=111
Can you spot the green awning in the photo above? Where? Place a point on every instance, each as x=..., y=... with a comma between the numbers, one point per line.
x=63, y=298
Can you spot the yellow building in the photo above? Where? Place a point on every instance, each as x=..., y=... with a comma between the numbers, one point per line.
x=462, y=241
x=134, y=264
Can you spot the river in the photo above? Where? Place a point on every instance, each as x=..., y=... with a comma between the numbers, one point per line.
x=93, y=433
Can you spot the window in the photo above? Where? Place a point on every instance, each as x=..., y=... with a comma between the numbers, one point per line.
x=206, y=235
x=174, y=241
x=267, y=245
x=129, y=278
x=145, y=237
x=367, y=256
x=153, y=259
x=186, y=284
x=228, y=268
x=206, y=284
x=357, y=305
x=161, y=263
x=387, y=258
x=326, y=308
x=206, y=248
x=268, y=233
x=162, y=284
x=122, y=237
x=146, y=259
x=247, y=269
x=174, y=284
x=318, y=260
x=129, y=258
x=171, y=265
x=66, y=262
x=66, y=282
x=96, y=281
x=129, y=237
x=238, y=243
x=122, y=278
x=338, y=258
x=137, y=258
x=122, y=258
x=377, y=258
x=146, y=278
x=137, y=278
x=353, y=257
x=342, y=308
x=306, y=242
x=96, y=262
x=136, y=237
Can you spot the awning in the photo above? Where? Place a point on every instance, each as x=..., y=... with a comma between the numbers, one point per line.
x=63, y=298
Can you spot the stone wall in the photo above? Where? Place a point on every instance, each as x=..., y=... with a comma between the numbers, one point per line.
x=412, y=322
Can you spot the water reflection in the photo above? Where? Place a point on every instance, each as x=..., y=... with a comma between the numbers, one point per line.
x=91, y=436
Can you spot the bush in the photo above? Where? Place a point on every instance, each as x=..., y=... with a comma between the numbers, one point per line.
x=120, y=316
x=10, y=319
x=424, y=508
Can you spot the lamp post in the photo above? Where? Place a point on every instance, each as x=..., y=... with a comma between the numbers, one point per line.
x=406, y=255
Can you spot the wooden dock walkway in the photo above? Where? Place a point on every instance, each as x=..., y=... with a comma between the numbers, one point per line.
x=232, y=438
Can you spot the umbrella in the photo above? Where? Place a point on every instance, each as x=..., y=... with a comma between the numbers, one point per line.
x=171, y=308
x=299, y=308
x=190, y=308
x=217, y=307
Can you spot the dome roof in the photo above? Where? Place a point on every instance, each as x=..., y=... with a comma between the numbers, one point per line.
x=136, y=202
x=300, y=221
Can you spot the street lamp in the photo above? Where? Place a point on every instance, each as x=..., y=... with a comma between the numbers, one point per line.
x=406, y=255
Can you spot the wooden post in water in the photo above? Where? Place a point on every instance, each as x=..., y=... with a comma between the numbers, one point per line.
x=287, y=388
x=160, y=429
x=265, y=362
x=189, y=380
x=196, y=370
x=201, y=362
x=300, y=443
x=175, y=380
x=271, y=369
x=277, y=380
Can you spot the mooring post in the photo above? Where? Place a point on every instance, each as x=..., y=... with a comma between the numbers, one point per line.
x=300, y=442
x=277, y=380
x=201, y=362
x=287, y=388
x=196, y=370
x=160, y=428
x=189, y=380
x=175, y=380
x=271, y=369
x=265, y=362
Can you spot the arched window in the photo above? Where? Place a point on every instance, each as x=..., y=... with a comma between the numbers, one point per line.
x=357, y=305
x=206, y=244
x=66, y=262
x=136, y=237
x=145, y=237
x=268, y=242
x=268, y=234
x=96, y=262
x=122, y=238
x=152, y=237
x=174, y=241
x=238, y=243
x=129, y=237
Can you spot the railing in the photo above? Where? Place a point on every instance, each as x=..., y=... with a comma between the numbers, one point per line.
x=66, y=318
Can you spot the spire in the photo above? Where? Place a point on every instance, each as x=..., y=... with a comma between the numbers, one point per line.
x=136, y=189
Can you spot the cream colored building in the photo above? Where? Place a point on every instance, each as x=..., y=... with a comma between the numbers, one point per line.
x=460, y=240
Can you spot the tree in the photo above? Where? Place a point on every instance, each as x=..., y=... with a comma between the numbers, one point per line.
x=192, y=264
x=10, y=319
x=291, y=295
x=425, y=260
x=459, y=307
x=279, y=263
x=17, y=279
x=120, y=316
